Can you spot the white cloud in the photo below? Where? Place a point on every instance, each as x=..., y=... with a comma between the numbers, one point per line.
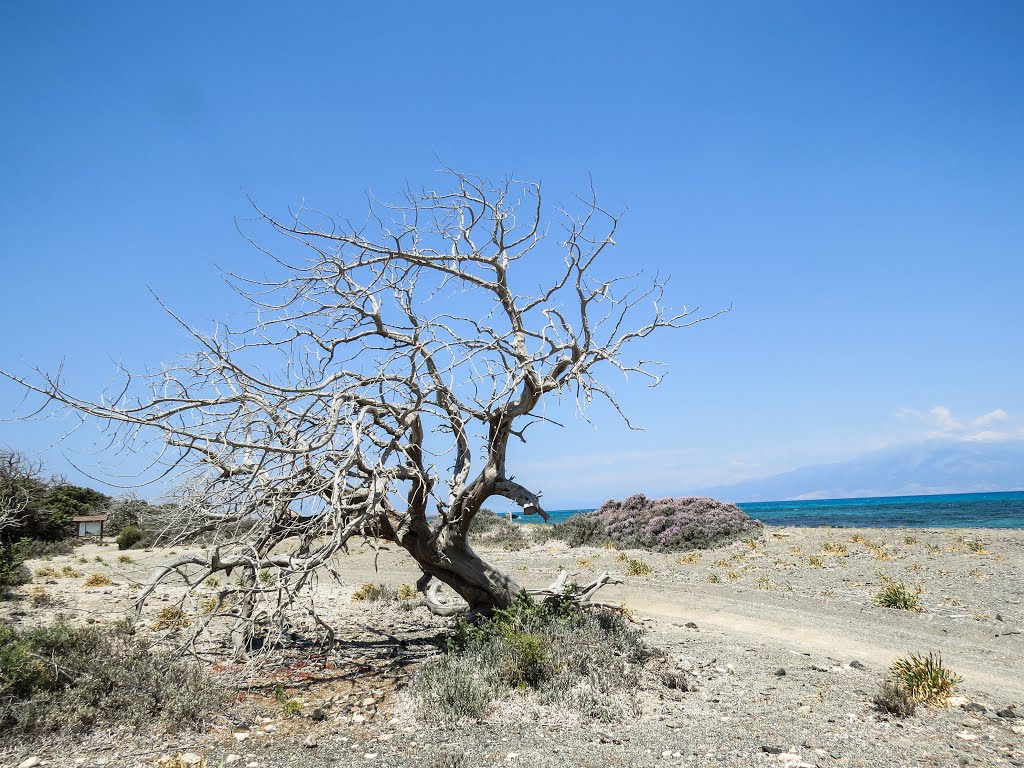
x=987, y=436
x=943, y=419
x=992, y=417
x=941, y=423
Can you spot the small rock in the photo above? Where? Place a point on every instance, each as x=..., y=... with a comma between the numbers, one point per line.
x=973, y=707
x=241, y=736
x=966, y=736
x=780, y=672
x=369, y=701
x=789, y=757
x=309, y=742
x=770, y=750
x=690, y=625
x=804, y=710
x=358, y=718
x=269, y=728
x=370, y=755
x=1019, y=729
x=959, y=701
x=32, y=762
x=1007, y=712
x=190, y=758
x=857, y=665
x=231, y=759
x=318, y=715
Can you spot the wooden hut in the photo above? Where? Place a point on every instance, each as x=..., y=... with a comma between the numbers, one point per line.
x=89, y=525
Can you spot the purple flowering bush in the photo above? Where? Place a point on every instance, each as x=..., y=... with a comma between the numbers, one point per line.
x=664, y=525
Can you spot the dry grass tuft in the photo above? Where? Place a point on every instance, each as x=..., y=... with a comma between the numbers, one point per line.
x=97, y=580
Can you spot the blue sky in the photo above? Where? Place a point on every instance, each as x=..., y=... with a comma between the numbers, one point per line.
x=849, y=177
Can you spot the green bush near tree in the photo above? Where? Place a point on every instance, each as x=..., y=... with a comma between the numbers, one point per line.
x=62, y=678
x=129, y=536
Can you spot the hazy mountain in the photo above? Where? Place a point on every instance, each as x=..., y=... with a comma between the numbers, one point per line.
x=923, y=468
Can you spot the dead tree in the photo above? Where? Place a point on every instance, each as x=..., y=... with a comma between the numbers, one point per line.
x=374, y=394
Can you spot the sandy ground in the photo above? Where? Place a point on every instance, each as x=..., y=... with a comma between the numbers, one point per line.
x=783, y=635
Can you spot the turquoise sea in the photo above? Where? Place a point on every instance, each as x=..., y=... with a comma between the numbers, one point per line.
x=957, y=510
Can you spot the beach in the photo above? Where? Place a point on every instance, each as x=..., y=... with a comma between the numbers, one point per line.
x=781, y=638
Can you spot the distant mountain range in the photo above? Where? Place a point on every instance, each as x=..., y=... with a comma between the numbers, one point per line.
x=907, y=470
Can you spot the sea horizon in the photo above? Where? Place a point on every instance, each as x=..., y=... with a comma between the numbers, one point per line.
x=990, y=509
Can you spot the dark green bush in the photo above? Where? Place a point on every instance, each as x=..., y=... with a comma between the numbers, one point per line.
x=65, y=678
x=13, y=572
x=129, y=536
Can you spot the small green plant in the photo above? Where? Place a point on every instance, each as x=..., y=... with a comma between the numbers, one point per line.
x=763, y=582
x=266, y=577
x=406, y=592
x=689, y=558
x=910, y=541
x=714, y=578
x=125, y=559
x=292, y=707
x=97, y=580
x=933, y=549
x=212, y=582
x=732, y=575
x=924, y=678
x=70, y=572
x=977, y=547
x=637, y=568
x=100, y=560
x=585, y=562
x=814, y=561
x=894, y=594
x=45, y=571
x=834, y=548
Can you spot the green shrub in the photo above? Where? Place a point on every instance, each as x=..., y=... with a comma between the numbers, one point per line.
x=64, y=678
x=588, y=662
x=35, y=549
x=924, y=678
x=637, y=568
x=490, y=530
x=129, y=536
x=580, y=530
x=894, y=594
x=13, y=572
